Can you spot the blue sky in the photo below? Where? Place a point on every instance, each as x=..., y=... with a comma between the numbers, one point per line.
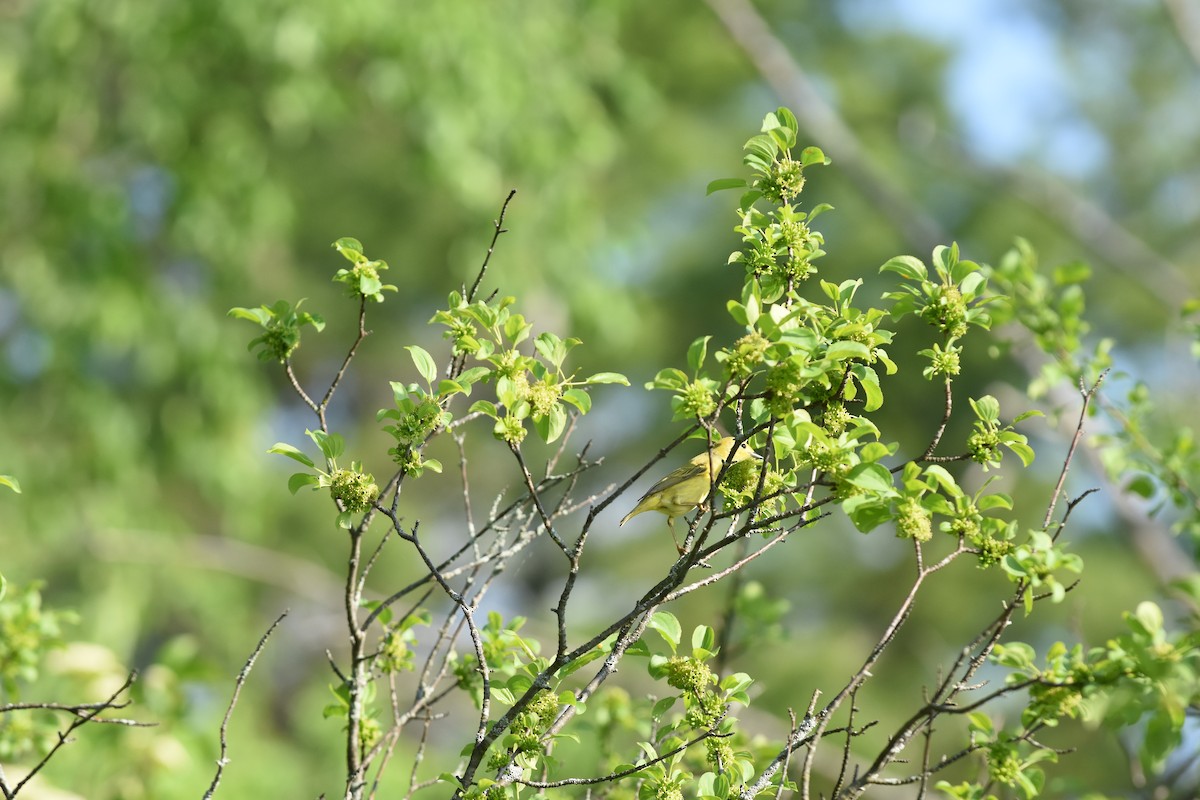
x=1005, y=82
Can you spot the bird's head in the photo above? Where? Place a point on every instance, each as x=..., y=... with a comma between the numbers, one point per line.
x=722, y=449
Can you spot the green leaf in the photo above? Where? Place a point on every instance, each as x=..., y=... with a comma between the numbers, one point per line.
x=663, y=706
x=484, y=406
x=1074, y=272
x=906, y=267
x=592, y=655
x=762, y=148
x=10, y=482
x=721, y=184
x=1142, y=486
x=433, y=465
x=1150, y=616
x=667, y=626
x=350, y=247
x=669, y=378
x=425, y=363
x=987, y=408
x=1022, y=451
x=332, y=444
x=749, y=198
x=550, y=426
x=578, y=398
x=608, y=377
x=657, y=666
x=704, y=638
x=737, y=311
x=519, y=683
x=649, y=750
x=472, y=375
x=786, y=118
x=638, y=648
x=945, y=258
x=873, y=451
x=551, y=347
x=818, y=209
x=990, y=501
x=866, y=512
x=517, y=329
x=369, y=286
x=752, y=302
x=869, y=381
x=260, y=315
x=783, y=137
x=1162, y=737
x=302, y=479
x=447, y=387
x=844, y=349
x=737, y=682
x=334, y=710
x=284, y=449
x=697, y=351
x=506, y=391
x=981, y=723
x=1017, y=655
x=813, y=155
x=400, y=395
x=872, y=477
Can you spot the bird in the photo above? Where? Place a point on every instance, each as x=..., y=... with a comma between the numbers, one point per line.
x=685, y=488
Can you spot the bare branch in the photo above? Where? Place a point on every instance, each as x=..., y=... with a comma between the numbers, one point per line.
x=625, y=773
x=537, y=500
x=363, y=333
x=499, y=229
x=946, y=411
x=222, y=758
x=82, y=718
x=1087, y=393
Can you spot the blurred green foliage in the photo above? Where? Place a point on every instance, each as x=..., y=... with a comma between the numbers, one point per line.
x=160, y=163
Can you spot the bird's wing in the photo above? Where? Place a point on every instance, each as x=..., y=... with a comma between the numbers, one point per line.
x=676, y=477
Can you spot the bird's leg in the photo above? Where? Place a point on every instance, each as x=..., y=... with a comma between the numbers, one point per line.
x=683, y=550
x=674, y=538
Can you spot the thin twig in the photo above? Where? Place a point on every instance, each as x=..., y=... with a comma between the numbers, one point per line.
x=222, y=758
x=493, y=523
x=799, y=734
x=837, y=786
x=792, y=728
x=473, y=631
x=615, y=776
x=946, y=411
x=1087, y=394
x=460, y=441
x=291, y=374
x=363, y=333
x=63, y=737
x=537, y=500
x=499, y=229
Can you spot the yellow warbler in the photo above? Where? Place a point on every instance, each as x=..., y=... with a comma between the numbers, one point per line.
x=683, y=489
